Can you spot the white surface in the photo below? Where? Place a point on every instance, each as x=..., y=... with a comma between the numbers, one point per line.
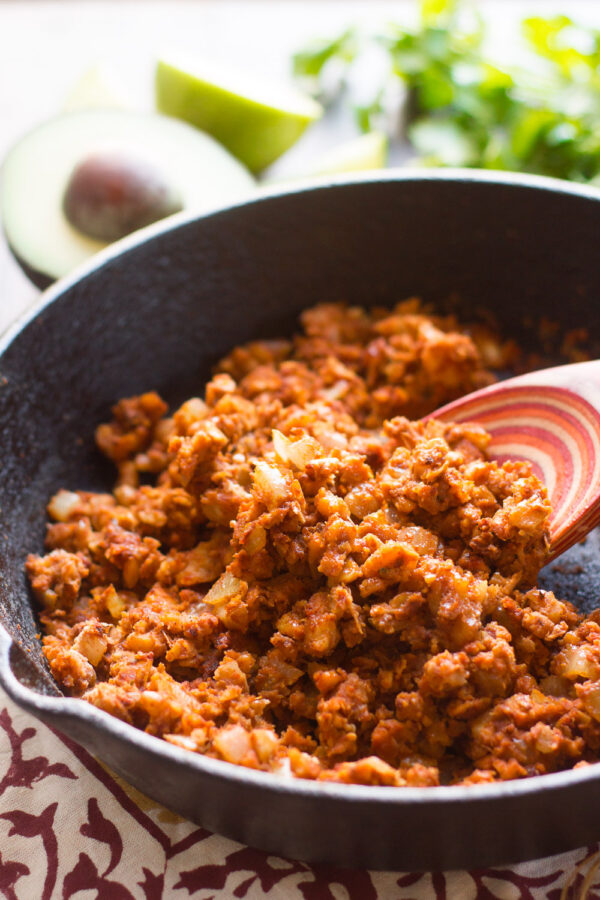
x=45, y=46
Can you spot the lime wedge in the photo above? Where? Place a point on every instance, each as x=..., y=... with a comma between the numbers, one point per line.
x=369, y=151
x=256, y=120
x=95, y=89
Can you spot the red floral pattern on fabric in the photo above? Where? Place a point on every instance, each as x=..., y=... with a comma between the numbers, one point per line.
x=67, y=826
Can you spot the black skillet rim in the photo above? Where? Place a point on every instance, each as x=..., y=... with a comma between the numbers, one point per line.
x=61, y=708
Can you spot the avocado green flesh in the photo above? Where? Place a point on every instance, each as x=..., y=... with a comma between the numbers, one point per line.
x=37, y=169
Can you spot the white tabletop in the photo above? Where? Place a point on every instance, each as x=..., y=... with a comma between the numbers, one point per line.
x=45, y=46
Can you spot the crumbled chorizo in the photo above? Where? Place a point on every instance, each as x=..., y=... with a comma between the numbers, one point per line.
x=317, y=581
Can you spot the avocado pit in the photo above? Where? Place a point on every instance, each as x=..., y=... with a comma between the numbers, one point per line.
x=114, y=192
x=79, y=181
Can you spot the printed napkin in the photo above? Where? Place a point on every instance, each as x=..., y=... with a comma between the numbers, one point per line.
x=71, y=828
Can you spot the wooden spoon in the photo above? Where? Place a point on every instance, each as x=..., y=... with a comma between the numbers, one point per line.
x=552, y=419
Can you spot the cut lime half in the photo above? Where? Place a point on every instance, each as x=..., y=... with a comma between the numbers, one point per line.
x=96, y=88
x=369, y=151
x=254, y=118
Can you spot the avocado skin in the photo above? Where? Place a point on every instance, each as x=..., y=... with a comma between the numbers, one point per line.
x=40, y=280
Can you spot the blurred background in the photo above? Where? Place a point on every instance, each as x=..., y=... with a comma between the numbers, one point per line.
x=486, y=91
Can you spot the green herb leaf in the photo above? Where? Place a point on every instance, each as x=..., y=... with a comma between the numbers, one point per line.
x=464, y=110
x=442, y=142
x=311, y=61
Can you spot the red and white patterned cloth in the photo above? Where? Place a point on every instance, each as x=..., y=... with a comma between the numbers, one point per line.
x=70, y=828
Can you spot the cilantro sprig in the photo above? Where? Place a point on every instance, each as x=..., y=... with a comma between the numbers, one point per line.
x=463, y=109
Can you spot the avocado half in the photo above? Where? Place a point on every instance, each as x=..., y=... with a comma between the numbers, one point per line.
x=37, y=171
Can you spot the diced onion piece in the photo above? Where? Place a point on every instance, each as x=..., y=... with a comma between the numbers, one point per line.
x=114, y=602
x=297, y=453
x=331, y=440
x=189, y=413
x=423, y=541
x=91, y=643
x=282, y=768
x=225, y=589
x=256, y=540
x=265, y=743
x=547, y=739
x=232, y=743
x=181, y=740
x=528, y=515
x=576, y=663
x=270, y=484
x=63, y=505
x=590, y=695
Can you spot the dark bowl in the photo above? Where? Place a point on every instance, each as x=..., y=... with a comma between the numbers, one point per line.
x=156, y=313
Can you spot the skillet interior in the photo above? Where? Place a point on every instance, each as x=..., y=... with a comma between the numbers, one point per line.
x=156, y=316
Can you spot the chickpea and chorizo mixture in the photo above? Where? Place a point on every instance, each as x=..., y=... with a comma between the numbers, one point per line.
x=318, y=582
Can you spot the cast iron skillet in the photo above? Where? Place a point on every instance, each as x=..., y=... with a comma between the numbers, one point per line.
x=156, y=313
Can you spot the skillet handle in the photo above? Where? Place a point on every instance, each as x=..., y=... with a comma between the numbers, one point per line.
x=20, y=675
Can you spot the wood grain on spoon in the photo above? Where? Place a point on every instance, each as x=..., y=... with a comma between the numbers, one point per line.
x=552, y=419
